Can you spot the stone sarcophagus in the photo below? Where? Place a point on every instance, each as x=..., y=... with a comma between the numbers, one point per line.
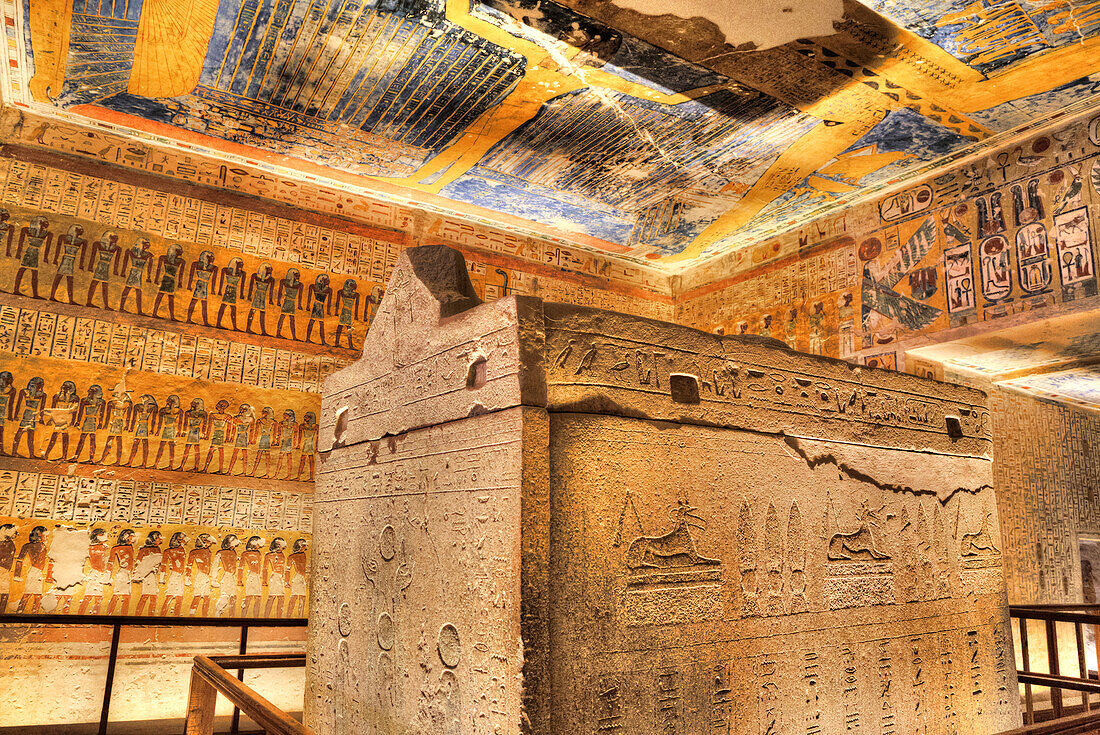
x=534, y=517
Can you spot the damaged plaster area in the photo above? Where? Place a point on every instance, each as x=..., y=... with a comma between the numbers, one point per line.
x=895, y=471
x=68, y=551
x=763, y=23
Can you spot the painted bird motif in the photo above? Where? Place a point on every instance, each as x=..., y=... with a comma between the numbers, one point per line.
x=1070, y=194
x=1027, y=161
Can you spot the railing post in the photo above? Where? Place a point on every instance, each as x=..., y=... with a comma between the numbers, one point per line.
x=1052, y=662
x=236, y=726
x=201, y=702
x=1081, y=665
x=1029, y=702
x=105, y=712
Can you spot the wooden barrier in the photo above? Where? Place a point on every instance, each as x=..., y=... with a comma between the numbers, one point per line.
x=209, y=678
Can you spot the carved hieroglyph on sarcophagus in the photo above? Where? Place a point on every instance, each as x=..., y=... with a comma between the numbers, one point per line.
x=555, y=519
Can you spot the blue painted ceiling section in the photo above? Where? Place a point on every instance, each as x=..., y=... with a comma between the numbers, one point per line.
x=385, y=88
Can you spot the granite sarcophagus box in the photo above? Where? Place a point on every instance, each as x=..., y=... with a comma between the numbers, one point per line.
x=535, y=517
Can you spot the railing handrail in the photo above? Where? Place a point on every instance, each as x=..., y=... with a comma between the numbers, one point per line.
x=260, y=660
x=1042, y=605
x=1080, y=724
x=208, y=678
x=1059, y=682
x=1068, y=613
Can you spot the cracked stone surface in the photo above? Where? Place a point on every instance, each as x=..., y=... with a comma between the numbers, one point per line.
x=541, y=518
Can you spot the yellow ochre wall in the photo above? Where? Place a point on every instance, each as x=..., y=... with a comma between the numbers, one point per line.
x=176, y=200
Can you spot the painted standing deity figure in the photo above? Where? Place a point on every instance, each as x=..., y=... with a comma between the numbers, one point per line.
x=117, y=418
x=266, y=431
x=103, y=262
x=169, y=273
x=7, y=405
x=70, y=247
x=845, y=315
x=766, y=326
x=169, y=419
x=202, y=273
x=371, y=305
x=34, y=243
x=34, y=560
x=307, y=444
x=147, y=570
x=244, y=424
x=136, y=263
x=194, y=422
x=230, y=288
x=249, y=575
x=7, y=559
x=274, y=575
x=89, y=418
x=817, y=329
x=217, y=432
x=62, y=414
x=261, y=290
x=7, y=232
x=790, y=328
x=297, y=573
x=224, y=576
x=320, y=296
x=29, y=406
x=96, y=575
x=287, y=433
x=120, y=565
x=348, y=300
x=290, y=296
x=198, y=574
x=143, y=419
x=174, y=565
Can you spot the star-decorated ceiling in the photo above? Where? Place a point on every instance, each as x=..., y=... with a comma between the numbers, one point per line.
x=664, y=139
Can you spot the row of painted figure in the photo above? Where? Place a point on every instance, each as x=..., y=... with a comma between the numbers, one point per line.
x=35, y=245
x=145, y=419
x=210, y=576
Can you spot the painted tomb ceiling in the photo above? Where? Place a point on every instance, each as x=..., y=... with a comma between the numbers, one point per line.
x=662, y=138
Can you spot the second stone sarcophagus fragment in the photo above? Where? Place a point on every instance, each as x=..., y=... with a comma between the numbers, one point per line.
x=534, y=517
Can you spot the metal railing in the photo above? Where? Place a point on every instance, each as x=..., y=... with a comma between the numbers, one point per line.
x=118, y=622
x=1064, y=638
x=1087, y=723
x=209, y=678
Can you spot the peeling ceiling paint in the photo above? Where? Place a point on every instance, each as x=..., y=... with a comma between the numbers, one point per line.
x=763, y=23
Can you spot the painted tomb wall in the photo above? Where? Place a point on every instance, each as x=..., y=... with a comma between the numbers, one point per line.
x=1007, y=239
x=1009, y=236
x=163, y=341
